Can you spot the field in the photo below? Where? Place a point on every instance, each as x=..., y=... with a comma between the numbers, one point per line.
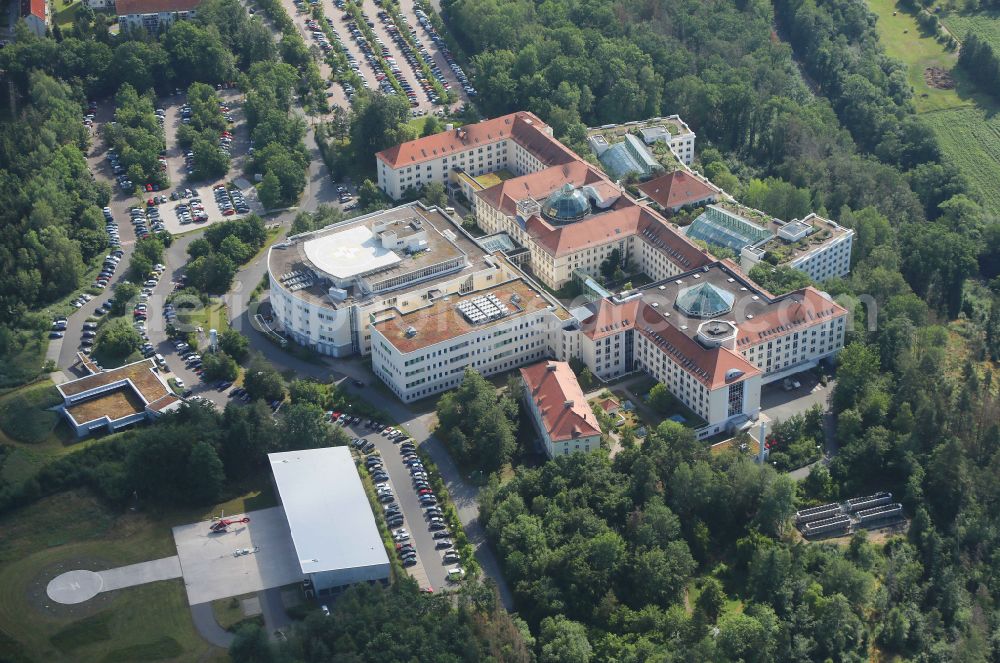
x=970, y=138
x=987, y=24
x=74, y=530
x=963, y=119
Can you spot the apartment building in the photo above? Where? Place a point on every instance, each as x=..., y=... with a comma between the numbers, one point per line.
x=153, y=15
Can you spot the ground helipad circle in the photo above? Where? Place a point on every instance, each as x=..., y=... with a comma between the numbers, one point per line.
x=74, y=587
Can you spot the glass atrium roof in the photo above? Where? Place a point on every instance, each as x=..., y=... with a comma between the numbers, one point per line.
x=705, y=301
x=566, y=205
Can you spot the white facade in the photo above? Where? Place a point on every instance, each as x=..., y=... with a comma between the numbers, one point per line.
x=822, y=260
x=152, y=22
x=782, y=355
x=330, y=518
x=475, y=160
x=717, y=405
x=829, y=260
x=502, y=346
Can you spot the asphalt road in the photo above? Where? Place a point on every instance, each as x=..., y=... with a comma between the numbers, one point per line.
x=204, y=622
x=64, y=350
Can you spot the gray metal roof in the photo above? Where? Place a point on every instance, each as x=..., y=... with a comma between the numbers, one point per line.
x=328, y=512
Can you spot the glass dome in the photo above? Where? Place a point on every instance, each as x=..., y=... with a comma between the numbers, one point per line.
x=705, y=301
x=566, y=205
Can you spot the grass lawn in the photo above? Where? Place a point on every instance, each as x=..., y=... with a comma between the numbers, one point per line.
x=229, y=612
x=213, y=316
x=970, y=139
x=904, y=40
x=963, y=118
x=145, y=623
x=114, y=361
x=24, y=362
x=65, y=13
x=33, y=435
x=26, y=415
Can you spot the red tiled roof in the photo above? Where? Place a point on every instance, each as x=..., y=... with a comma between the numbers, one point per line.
x=557, y=395
x=609, y=404
x=677, y=189
x=33, y=8
x=610, y=318
x=450, y=142
x=126, y=7
x=707, y=365
x=542, y=184
x=624, y=220
x=801, y=308
x=522, y=126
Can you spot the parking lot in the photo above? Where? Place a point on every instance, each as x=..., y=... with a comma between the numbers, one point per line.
x=245, y=558
x=177, y=167
x=402, y=59
x=431, y=570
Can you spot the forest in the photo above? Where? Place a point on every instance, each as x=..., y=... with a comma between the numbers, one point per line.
x=51, y=227
x=196, y=452
x=811, y=117
x=980, y=60
x=397, y=624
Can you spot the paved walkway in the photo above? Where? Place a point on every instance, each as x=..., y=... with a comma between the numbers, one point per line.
x=81, y=585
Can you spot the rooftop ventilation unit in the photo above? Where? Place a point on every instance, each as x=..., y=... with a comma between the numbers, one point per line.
x=411, y=331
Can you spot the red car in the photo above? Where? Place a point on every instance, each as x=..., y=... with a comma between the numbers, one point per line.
x=151, y=202
x=229, y=211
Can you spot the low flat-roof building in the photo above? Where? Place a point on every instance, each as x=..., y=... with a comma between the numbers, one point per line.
x=559, y=409
x=115, y=398
x=330, y=518
x=671, y=130
x=819, y=247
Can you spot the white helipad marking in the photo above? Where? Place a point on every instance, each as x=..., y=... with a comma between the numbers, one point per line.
x=74, y=587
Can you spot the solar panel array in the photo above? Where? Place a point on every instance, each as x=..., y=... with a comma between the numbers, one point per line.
x=483, y=309
x=298, y=280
